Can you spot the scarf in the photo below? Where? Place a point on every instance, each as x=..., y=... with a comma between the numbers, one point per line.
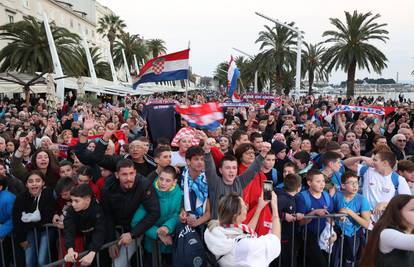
x=199, y=187
x=247, y=231
x=346, y=108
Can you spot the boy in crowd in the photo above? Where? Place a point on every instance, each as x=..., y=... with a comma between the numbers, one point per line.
x=162, y=157
x=66, y=169
x=379, y=182
x=332, y=171
x=85, y=175
x=170, y=198
x=405, y=168
x=269, y=171
x=314, y=201
x=229, y=182
x=84, y=217
x=356, y=206
x=292, y=184
x=303, y=162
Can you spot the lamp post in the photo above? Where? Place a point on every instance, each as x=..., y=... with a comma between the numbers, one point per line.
x=255, y=73
x=299, y=48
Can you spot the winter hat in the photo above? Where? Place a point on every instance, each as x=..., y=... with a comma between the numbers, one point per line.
x=278, y=146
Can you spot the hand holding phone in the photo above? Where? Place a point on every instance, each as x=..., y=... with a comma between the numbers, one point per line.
x=267, y=190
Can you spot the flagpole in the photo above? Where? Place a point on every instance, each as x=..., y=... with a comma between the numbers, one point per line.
x=188, y=76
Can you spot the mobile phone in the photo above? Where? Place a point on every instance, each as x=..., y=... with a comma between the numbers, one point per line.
x=357, y=142
x=267, y=190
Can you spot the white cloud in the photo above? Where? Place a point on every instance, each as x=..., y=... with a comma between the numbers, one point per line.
x=214, y=26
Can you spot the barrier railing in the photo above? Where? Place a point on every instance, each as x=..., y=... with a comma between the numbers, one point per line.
x=11, y=252
x=295, y=242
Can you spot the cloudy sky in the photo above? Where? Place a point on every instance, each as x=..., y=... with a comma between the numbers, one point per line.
x=215, y=26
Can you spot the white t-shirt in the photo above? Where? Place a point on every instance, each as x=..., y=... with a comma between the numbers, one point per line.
x=177, y=159
x=377, y=188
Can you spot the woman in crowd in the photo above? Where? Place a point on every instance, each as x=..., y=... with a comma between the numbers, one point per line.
x=236, y=244
x=392, y=240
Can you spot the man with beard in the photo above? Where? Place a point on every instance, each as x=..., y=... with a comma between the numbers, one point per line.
x=121, y=197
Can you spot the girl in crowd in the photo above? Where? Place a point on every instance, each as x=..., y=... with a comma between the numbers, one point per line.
x=33, y=209
x=392, y=240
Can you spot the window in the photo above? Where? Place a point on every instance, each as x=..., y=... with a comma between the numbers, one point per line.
x=86, y=31
x=93, y=33
x=11, y=19
x=71, y=23
x=26, y=3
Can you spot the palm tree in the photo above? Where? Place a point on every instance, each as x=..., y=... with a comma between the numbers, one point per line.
x=27, y=48
x=220, y=73
x=156, y=47
x=102, y=68
x=351, y=47
x=132, y=45
x=312, y=63
x=276, y=57
x=111, y=26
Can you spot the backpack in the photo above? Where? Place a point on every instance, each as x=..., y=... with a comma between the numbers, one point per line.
x=394, y=178
x=308, y=201
x=188, y=249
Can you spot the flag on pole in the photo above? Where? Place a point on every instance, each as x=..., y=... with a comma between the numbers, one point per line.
x=169, y=67
x=233, y=74
x=203, y=116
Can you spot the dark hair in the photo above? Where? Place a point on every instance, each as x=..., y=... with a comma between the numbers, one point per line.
x=390, y=218
x=290, y=164
x=160, y=149
x=236, y=135
x=64, y=184
x=52, y=167
x=302, y=156
x=170, y=170
x=142, y=139
x=312, y=173
x=377, y=137
x=227, y=158
x=330, y=156
x=255, y=135
x=82, y=190
x=3, y=183
x=241, y=150
x=65, y=162
x=388, y=156
x=347, y=175
x=124, y=163
x=229, y=208
x=332, y=145
x=292, y=182
x=405, y=165
x=36, y=172
x=86, y=171
x=194, y=151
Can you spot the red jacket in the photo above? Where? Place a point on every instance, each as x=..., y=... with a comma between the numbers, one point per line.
x=251, y=196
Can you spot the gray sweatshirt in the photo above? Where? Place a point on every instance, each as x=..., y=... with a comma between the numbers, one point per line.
x=217, y=188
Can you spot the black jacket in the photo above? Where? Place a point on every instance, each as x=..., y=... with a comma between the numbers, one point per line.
x=109, y=162
x=25, y=202
x=119, y=205
x=89, y=223
x=285, y=204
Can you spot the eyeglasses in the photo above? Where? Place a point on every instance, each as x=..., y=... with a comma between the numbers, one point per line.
x=402, y=140
x=250, y=152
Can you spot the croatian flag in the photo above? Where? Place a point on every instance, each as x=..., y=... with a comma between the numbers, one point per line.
x=233, y=74
x=204, y=116
x=169, y=67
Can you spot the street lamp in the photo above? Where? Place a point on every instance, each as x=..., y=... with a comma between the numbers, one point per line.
x=255, y=73
x=299, y=47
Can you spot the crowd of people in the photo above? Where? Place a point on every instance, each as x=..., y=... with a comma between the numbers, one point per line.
x=75, y=177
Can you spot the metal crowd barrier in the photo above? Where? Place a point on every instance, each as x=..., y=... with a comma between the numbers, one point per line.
x=303, y=232
x=54, y=237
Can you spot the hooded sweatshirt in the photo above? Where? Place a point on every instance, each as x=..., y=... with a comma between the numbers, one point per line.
x=234, y=248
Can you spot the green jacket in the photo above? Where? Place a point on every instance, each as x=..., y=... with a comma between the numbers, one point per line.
x=170, y=205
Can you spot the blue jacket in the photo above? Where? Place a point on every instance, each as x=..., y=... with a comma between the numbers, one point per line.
x=6, y=212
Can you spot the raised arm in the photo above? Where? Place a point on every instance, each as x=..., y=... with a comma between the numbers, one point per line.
x=352, y=163
x=251, y=172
